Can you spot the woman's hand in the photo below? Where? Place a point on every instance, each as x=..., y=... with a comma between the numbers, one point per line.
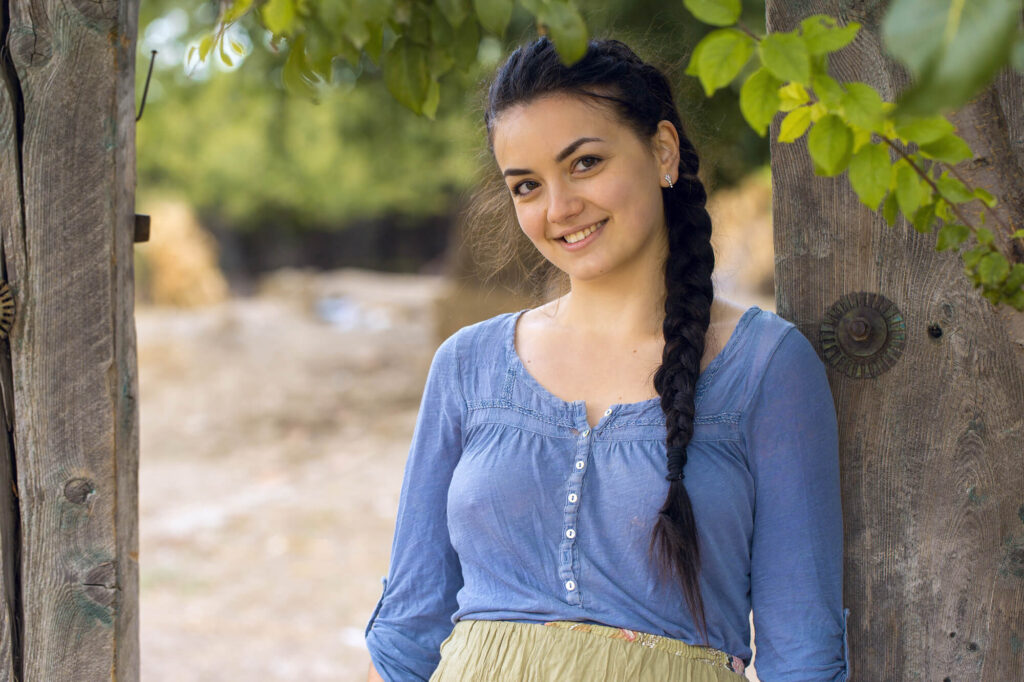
x=373, y=676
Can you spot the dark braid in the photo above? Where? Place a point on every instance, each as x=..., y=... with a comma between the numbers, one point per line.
x=641, y=96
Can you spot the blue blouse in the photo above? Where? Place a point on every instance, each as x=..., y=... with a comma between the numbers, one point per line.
x=513, y=508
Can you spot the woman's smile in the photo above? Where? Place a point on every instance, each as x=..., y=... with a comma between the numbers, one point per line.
x=579, y=239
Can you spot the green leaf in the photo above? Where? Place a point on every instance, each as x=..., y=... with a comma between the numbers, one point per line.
x=786, y=56
x=375, y=45
x=795, y=124
x=829, y=143
x=439, y=60
x=953, y=190
x=993, y=269
x=827, y=89
x=984, y=236
x=723, y=52
x=715, y=12
x=467, y=44
x=204, y=47
x=455, y=11
x=890, y=209
x=759, y=99
x=1019, y=234
x=235, y=10
x=224, y=55
x=278, y=16
x=862, y=105
x=923, y=130
x=791, y=96
x=911, y=192
x=951, y=236
x=952, y=48
x=870, y=169
x=1017, y=299
x=972, y=256
x=406, y=73
x=567, y=30
x=1015, y=280
x=950, y=149
x=923, y=218
x=296, y=74
x=985, y=196
x=494, y=15
x=821, y=35
x=432, y=100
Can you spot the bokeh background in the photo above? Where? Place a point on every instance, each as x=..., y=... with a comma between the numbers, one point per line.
x=305, y=261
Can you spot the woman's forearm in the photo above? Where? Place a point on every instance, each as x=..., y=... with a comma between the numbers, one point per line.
x=373, y=676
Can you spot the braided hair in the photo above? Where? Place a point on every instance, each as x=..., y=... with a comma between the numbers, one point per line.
x=641, y=97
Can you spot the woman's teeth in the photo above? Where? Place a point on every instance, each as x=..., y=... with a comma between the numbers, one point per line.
x=576, y=236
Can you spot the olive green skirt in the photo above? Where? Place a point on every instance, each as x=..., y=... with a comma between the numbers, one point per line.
x=503, y=651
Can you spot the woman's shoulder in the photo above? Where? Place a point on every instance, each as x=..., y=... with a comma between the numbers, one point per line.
x=485, y=341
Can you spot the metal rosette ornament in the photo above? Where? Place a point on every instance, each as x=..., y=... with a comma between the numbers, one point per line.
x=863, y=334
x=6, y=310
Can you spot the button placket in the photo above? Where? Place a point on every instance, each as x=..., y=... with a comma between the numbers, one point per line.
x=568, y=568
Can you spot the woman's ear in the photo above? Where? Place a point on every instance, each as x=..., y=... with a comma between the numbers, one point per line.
x=666, y=148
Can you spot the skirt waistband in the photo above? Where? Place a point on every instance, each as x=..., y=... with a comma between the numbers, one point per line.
x=678, y=647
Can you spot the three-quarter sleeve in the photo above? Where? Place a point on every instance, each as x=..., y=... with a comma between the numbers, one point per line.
x=413, y=615
x=797, y=548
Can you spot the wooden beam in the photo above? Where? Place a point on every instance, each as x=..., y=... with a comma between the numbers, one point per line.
x=68, y=223
x=931, y=454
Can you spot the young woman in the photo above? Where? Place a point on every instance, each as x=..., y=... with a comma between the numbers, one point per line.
x=601, y=488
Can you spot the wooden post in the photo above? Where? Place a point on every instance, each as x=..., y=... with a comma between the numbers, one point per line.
x=69, y=539
x=932, y=461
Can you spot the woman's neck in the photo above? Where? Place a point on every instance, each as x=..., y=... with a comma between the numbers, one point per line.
x=621, y=307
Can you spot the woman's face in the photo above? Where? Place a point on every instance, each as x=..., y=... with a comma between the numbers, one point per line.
x=586, y=190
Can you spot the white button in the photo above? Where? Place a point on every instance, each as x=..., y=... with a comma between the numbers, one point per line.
x=570, y=533
x=580, y=464
x=573, y=497
x=570, y=585
x=608, y=412
x=585, y=433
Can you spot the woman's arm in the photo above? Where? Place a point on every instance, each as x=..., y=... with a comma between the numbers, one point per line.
x=413, y=615
x=796, y=574
x=373, y=676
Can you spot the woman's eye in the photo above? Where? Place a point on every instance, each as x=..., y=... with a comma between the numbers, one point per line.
x=587, y=166
x=515, y=190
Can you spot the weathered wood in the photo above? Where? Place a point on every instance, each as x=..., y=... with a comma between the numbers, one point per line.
x=68, y=218
x=10, y=227
x=931, y=454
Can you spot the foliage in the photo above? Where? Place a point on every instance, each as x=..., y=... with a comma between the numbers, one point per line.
x=248, y=155
x=900, y=156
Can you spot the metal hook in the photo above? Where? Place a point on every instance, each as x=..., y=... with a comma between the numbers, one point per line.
x=145, y=90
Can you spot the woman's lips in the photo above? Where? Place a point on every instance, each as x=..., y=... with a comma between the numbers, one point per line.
x=590, y=233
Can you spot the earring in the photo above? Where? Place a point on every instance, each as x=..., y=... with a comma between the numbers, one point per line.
x=668, y=179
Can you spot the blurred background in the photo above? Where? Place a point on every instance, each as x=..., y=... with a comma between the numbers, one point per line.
x=305, y=261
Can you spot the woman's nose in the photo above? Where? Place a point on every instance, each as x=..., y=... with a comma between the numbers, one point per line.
x=564, y=202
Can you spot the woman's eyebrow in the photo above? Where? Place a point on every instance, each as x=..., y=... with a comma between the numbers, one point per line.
x=558, y=159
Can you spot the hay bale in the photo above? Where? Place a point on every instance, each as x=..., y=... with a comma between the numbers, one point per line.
x=178, y=266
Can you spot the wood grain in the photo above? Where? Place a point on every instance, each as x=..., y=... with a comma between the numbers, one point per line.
x=931, y=450
x=67, y=241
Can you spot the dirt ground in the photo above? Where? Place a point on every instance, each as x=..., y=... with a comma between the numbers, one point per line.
x=274, y=432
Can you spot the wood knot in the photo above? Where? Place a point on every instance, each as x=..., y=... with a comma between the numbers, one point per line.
x=101, y=582
x=29, y=46
x=77, y=490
